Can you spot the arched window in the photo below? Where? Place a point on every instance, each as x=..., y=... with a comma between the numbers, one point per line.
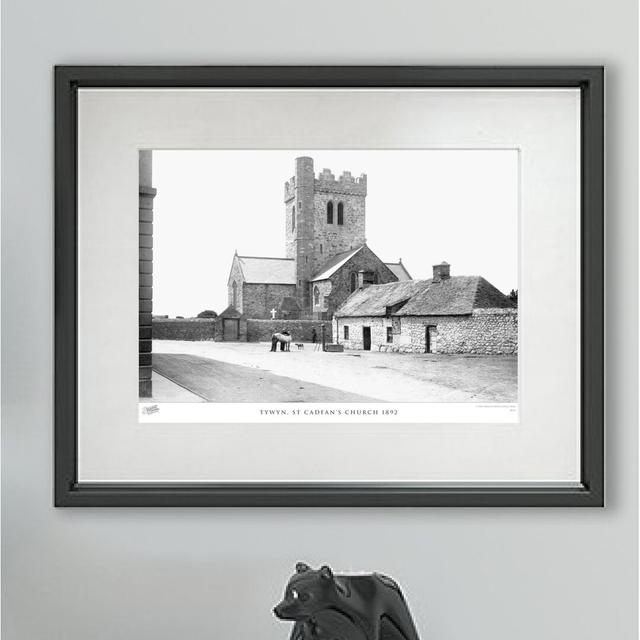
x=293, y=218
x=316, y=296
x=354, y=281
x=234, y=294
x=340, y=213
x=329, y=212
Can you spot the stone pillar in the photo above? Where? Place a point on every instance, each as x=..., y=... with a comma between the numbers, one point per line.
x=145, y=263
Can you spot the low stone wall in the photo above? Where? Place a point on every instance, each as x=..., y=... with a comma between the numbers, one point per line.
x=300, y=330
x=485, y=331
x=183, y=329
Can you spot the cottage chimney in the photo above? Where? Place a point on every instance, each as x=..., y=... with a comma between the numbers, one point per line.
x=441, y=271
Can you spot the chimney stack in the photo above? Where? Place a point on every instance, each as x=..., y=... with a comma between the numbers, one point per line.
x=441, y=271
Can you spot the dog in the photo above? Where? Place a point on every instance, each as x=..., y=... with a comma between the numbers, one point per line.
x=371, y=604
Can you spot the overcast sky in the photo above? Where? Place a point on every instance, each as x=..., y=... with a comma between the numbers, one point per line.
x=422, y=206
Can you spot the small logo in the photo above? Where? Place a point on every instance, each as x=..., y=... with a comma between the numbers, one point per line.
x=150, y=409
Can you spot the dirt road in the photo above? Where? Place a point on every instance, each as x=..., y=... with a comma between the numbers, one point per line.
x=216, y=381
x=384, y=377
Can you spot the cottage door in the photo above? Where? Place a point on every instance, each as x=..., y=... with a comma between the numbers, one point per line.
x=230, y=329
x=430, y=335
x=366, y=338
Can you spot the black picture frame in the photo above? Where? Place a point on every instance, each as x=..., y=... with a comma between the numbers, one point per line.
x=590, y=491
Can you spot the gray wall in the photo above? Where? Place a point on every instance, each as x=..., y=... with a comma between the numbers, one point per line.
x=159, y=574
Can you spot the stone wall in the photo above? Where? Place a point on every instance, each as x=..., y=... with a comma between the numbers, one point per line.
x=486, y=331
x=300, y=330
x=323, y=289
x=354, y=325
x=184, y=329
x=331, y=239
x=259, y=299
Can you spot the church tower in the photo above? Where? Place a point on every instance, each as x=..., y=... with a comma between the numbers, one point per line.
x=323, y=217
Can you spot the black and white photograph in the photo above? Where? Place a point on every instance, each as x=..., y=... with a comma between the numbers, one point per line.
x=331, y=278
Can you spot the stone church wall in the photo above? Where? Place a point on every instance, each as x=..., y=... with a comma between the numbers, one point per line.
x=235, y=276
x=485, y=331
x=300, y=330
x=259, y=299
x=335, y=238
x=321, y=309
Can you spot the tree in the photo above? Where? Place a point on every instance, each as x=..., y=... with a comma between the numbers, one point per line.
x=513, y=296
x=207, y=313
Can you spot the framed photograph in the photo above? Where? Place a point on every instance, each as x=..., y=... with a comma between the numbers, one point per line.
x=329, y=286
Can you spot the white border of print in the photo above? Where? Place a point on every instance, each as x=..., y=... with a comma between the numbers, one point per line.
x=349, y=412
x=113, y=124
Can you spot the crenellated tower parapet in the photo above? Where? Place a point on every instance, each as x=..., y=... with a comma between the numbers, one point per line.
x=346, y=184
x=290, y=189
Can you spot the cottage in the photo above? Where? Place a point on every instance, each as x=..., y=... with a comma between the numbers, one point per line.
x=445, y=314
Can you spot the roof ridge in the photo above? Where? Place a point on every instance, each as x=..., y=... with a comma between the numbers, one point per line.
x=334, y=261
x=264, y=258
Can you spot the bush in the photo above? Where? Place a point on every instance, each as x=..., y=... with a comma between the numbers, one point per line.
x=207, y=313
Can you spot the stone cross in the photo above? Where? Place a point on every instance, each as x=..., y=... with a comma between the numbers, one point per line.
x=273, y=314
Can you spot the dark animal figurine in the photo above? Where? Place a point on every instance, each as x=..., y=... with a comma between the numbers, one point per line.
x=325, y=606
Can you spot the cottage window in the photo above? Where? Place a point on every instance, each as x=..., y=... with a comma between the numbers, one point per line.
x=329, y=212
x=354, y=281
x=346, y=332
x=293, y=219
x=389, y=334
x=340, y=213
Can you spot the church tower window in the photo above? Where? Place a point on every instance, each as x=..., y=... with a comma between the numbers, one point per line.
x=354, y=281
x=316, y=296
x=340, y=213
x=293, y=218
x=329, y=212
x=234, y=294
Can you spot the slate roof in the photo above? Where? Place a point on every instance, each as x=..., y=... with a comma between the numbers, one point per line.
x=398, y=270
x=230, y=312
x=374, y=299
x=258, y=270
x=335, y=263
x=455, y=296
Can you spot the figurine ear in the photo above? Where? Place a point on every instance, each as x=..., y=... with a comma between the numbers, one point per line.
x=325, y=572
x=301, y=567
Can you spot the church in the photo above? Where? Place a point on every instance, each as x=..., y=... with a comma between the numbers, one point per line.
x=327, y=257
